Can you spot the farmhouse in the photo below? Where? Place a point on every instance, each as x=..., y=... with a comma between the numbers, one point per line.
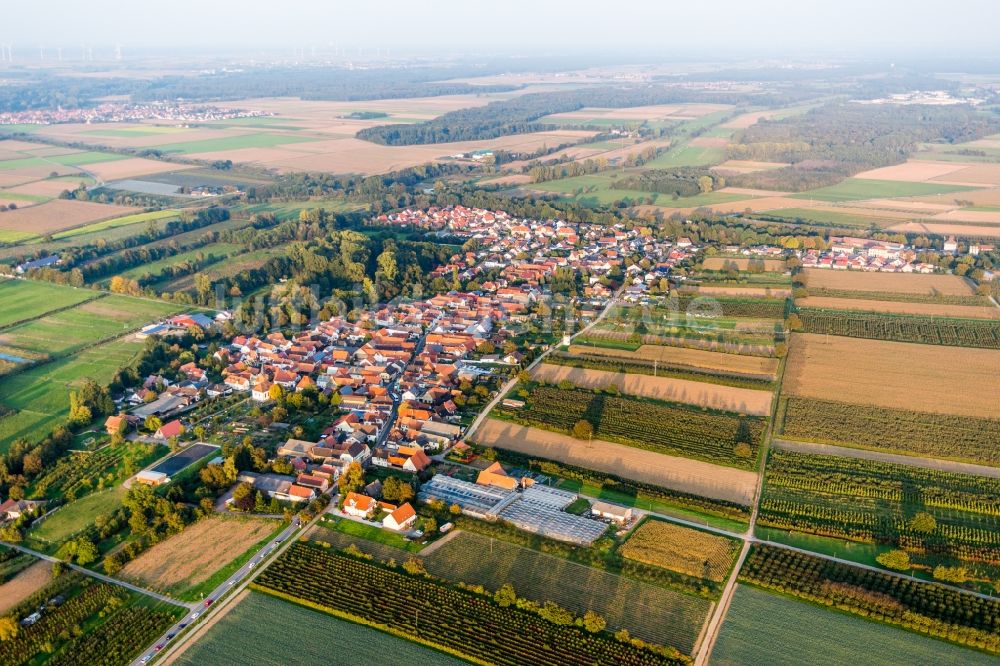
x=151, y=478
x=14, y=509
x=494, y=475
x=359, y=506
x=400, y=519
x=44, y=262
x=168, y=430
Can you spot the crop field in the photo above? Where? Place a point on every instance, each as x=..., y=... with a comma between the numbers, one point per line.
x=76, y=516
x=58, y=215
x=911, y=432
x=23, y=300
x=743, y=264
x=896, y=375
x=655, y=369
x=191, y=557
x=661, y=427
x=681, y=549
x=756, y=366
x=827, y=215
x=890, y=283
x=873, y=502
x=39, y=396
x=448, y=618
x=78, y=473
x=904, y=328
x=648, y=611
x=947, y=229
x=71, y=329
x=691, y=331
x=689, y=155
x=899, y=307
x=246, y=634
x=757, y=630
x=925, y=608
x=114, y=223
x=683, y=474
x=744, y=291
x=714, y=396
x=856, y=189
x=24, y=584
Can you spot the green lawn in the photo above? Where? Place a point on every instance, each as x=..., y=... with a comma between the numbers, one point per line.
x=765, y=628
x=265, y=631
x=7, y=236
x=371, y=533
x=135, y=130
x=115, y=222
x=76, y=516
x=24, y=299
x=23, y=162
x=33, y=198
x=856, y=189
x=260, y=140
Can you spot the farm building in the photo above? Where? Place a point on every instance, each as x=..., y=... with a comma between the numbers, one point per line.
x=401, y=519
x=360, y=506
x=612, y=512
x=152, y=478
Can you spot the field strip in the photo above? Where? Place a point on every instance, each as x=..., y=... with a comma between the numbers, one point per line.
x=702, y=394
x=97, y=296
x=692, y=476
x=204, y=628
x=894, y=458
x=900, y=307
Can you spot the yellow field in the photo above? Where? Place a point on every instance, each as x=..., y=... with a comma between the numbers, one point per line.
x=59, y=214
x=889, y=283
x=899, y=307
x=762, y=292
x=682, y=549
x=696, y=358
x=692, y=476
x=728, y=398
x=897, y=375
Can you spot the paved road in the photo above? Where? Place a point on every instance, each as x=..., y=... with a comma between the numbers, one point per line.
x=98, y=576
x=911, y=461
x=239, y=579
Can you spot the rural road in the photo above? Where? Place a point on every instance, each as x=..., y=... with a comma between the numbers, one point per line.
x=237, y=582
x=98, y=576
x=506, y=388
x=910, y=461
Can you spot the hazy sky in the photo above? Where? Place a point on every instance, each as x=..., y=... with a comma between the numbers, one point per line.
x=725, y=27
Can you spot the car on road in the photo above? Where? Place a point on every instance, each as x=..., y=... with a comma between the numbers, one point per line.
x=159, y=647
x=169, y=636
x=146, y=658
x=181, y=626
x=208, y=602
x=195, y=616
x=232, y=582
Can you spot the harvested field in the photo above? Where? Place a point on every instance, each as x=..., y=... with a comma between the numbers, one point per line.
x=913, y=171
x=512, y=179
x=900, y=307
x=896, y=283
x=50, y=187
x=979, y=174
x=133, y=167
x=742, y=263
x=747, y=166
x=59, y=214
x=945, y=229
x=763, y=292
x=192, y=556
x=974, y=216
x=698, y=358
x=24, y=584
x=985, y=197
x=898, y=375
x=715, y=396
x=692, y=476
x=682, y=549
